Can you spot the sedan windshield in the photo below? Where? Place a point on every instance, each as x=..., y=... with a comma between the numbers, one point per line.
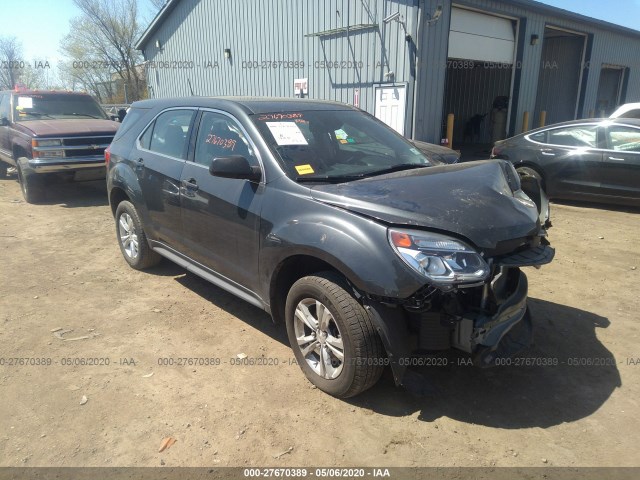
x=336, y=146
x=55, y=106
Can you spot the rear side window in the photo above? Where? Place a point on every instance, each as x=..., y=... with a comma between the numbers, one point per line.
x=130, y=119
x=170, y=133
x=578, y=136
x=540, y=137
x=631, y=114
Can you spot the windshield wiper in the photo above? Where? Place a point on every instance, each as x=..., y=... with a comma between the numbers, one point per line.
x=396, y=168
x=39, y=114
x=82, y=115
x=330, y=178
x=360, y=176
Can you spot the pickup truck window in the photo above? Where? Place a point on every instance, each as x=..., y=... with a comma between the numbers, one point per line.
x=4, y=105
x=55, y=106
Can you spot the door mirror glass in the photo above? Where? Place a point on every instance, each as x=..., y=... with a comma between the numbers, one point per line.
x=234, y=166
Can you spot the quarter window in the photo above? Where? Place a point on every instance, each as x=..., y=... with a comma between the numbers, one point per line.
x=624, y=139
x=170, y=133
x=578, y=136
x=220, y=136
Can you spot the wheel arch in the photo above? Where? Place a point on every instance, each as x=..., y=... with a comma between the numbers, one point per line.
x=290, y=270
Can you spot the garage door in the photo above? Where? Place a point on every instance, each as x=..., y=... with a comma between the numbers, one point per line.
x=477, y=36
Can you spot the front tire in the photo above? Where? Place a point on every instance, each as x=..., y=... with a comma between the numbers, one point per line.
x=332, y=336
x=32, y=186
x=132, y=238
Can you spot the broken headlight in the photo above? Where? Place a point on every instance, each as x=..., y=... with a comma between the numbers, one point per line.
x=442, y=259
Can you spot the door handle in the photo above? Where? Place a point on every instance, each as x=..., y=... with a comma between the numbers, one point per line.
x=190, y=184
x=549, y=153
x=140, y=164
x=617, y=159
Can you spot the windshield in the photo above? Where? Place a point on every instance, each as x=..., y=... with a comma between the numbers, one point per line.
x=331, y=145
x=55, y=106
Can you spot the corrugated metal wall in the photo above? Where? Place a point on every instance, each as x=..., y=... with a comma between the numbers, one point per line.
x=261, y=32
x=609, y=47
x=198, y=31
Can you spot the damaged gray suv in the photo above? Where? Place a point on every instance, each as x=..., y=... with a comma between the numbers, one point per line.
x=368, y=250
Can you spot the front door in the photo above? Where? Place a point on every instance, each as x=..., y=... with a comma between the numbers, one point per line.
x=391, y=105
x=221, y=216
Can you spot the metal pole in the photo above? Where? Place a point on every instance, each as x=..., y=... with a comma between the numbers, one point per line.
x=450, y=119
x=525, y=122
x=543, y=118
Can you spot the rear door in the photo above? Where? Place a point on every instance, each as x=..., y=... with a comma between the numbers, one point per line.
x=621, y=175
x=221, y=216
x=571, y=159
x=159, y=158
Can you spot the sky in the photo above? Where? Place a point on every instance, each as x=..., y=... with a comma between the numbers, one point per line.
x=41, y=24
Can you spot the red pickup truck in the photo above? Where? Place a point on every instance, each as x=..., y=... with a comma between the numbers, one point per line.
x=47, y=134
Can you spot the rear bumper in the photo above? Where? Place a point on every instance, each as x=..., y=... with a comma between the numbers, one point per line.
x=61, y=165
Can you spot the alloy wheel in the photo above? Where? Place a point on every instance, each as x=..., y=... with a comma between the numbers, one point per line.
x=128, y=235
x=318, y=338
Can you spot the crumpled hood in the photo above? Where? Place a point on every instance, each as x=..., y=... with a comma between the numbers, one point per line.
x=70, y=127
x=472, y=200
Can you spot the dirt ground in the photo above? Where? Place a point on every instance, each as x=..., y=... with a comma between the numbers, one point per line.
x=62, y=269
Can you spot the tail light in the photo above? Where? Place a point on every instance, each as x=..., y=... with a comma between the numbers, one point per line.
x=107, y=155
x=496, y=152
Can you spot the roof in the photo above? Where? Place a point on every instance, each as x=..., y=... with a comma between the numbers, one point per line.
x=164, y=12
x=527, y=4
x=249, y=105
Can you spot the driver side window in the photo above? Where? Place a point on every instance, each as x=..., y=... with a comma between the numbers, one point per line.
x=220, y=136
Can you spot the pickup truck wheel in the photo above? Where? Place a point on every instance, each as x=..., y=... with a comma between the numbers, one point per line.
x=332, y=336
x=32, y=187
x=3, y=169
x=132, y=239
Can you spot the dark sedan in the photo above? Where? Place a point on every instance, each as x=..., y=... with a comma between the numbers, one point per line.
x=594, y=159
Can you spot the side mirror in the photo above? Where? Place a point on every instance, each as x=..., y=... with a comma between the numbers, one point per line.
x=4, y=122
x=234, y=166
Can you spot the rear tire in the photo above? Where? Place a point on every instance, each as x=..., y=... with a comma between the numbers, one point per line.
x=132, y=238
x=332, y=336
x=32, y=186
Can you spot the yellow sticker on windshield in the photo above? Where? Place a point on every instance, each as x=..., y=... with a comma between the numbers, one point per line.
x=304, y=169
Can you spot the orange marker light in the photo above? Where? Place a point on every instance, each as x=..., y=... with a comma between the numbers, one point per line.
x=400, y=239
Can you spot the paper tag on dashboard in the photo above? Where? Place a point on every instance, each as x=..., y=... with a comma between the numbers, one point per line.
x=304, y=169
x=287, y=133
x=25, y=102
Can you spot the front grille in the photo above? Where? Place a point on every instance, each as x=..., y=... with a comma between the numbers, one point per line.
x=80, y=141
x=84, y=152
